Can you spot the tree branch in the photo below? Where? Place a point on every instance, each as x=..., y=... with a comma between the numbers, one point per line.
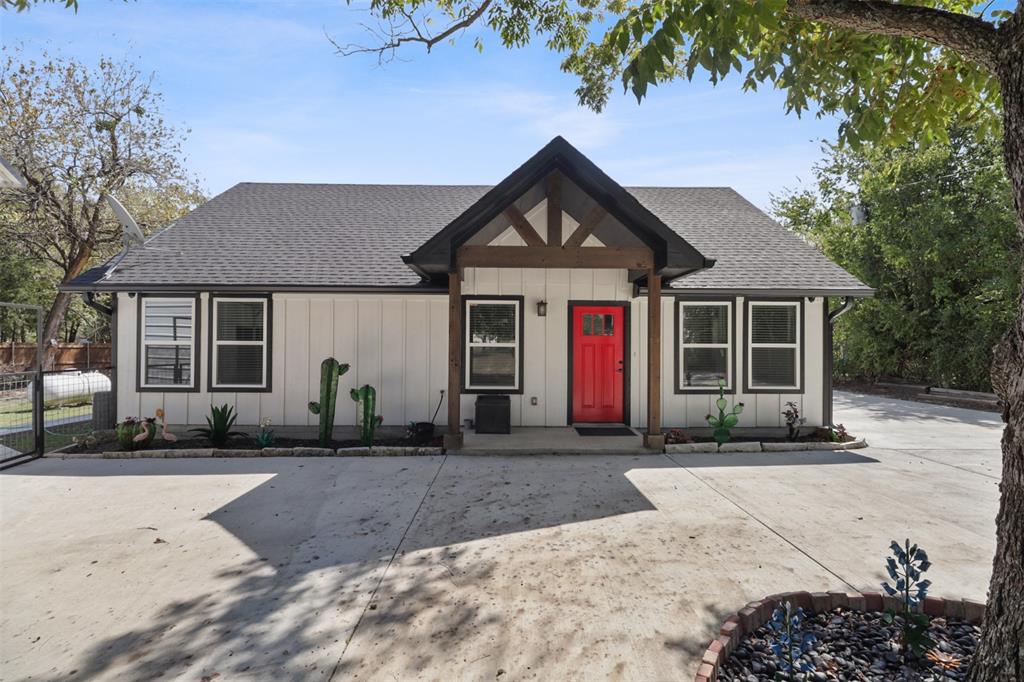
x=971, y=37
x=395, y=37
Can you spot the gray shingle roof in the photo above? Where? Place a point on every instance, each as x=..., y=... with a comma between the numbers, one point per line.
x=283, y=235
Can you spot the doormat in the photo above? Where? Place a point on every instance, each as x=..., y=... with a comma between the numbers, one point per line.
x=605, y=431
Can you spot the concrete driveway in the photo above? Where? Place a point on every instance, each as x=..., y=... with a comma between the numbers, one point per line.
x=468, y=568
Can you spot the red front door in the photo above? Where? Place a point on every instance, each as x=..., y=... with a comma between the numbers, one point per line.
x=598, y=369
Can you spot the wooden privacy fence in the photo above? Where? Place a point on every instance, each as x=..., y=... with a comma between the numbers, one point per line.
x=22, y=356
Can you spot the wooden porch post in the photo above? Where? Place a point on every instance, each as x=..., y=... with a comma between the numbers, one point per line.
x=453, y=438
x=654, y=437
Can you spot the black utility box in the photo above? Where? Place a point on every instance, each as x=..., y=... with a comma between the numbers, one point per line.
x=493, y=414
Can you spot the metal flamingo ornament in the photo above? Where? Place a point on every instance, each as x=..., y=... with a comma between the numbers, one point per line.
x=164, y=433
x=143, y=434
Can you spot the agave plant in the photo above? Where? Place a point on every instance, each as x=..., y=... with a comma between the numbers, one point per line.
x=219, y=423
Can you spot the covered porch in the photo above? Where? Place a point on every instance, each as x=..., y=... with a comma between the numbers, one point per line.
x=551, y=440
x=558, y=213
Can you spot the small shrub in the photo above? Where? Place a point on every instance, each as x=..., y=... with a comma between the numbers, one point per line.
x=793, y=421
x=791, y=642
x=723, y=423
x=219, y=423
x=905, y=567
x=678, y=436
x=839, y=434
x=129, y=433
x=265, y=436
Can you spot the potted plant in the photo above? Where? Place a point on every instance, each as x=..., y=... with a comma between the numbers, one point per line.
x=422, y=433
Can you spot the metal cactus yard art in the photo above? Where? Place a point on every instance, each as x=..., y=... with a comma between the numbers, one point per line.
x=723, y=423
x=330, y=371
x=366, y=399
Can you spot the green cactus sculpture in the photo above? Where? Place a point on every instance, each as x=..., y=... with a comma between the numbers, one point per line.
x=725, y=420
x=330, y=370
x=366, y=399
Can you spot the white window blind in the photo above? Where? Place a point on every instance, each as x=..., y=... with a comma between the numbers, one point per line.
x=774, y=345
x=492, y=344
x=166, y=344
x=239, y=353
x=705, y=345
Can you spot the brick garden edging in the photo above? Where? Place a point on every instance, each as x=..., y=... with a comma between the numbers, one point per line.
x=762, y=447
x=757, y=613
x=184, y=453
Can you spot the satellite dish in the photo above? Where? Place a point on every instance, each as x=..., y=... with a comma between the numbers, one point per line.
x=10, y=178
x=131, y=234
x=130, y=231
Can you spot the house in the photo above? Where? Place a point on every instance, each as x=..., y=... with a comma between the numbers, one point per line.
x=582, y=300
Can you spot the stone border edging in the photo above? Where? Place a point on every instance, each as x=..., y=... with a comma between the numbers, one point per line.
x=757, y=613
x=675, y=448
x=189, y=453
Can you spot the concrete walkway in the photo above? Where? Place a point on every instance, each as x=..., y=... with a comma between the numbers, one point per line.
x=467, y=568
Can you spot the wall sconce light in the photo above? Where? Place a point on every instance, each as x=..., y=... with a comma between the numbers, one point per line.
x=542, y=308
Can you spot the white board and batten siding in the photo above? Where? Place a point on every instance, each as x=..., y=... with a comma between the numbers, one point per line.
x=396, y=343
x=399, y=345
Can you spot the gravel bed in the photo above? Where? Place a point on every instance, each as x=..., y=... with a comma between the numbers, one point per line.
x=855, y=645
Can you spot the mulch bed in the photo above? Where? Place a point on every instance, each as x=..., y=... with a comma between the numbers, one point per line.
x=810, y=436
x=855, y=645
x=248, y=443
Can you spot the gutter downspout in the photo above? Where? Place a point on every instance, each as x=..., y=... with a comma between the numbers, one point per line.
x=830, y=321
x=89, y=297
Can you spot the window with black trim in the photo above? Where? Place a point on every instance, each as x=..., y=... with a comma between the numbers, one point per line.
x=705, y=353
x=167, y=351
x=773, y=345
x=239, y=347
x=493, y=344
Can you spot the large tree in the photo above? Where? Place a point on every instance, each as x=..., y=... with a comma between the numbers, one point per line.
x=936, y=315
x=893, y=72
x=78, y=133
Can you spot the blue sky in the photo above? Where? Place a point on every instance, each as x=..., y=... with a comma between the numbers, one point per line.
x=266, y=99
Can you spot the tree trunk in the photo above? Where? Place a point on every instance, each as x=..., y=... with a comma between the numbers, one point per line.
x=1000, y=655
x=59, y=308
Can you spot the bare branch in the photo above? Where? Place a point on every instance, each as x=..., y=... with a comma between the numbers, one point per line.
x=408, y=30
x=971, y=37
